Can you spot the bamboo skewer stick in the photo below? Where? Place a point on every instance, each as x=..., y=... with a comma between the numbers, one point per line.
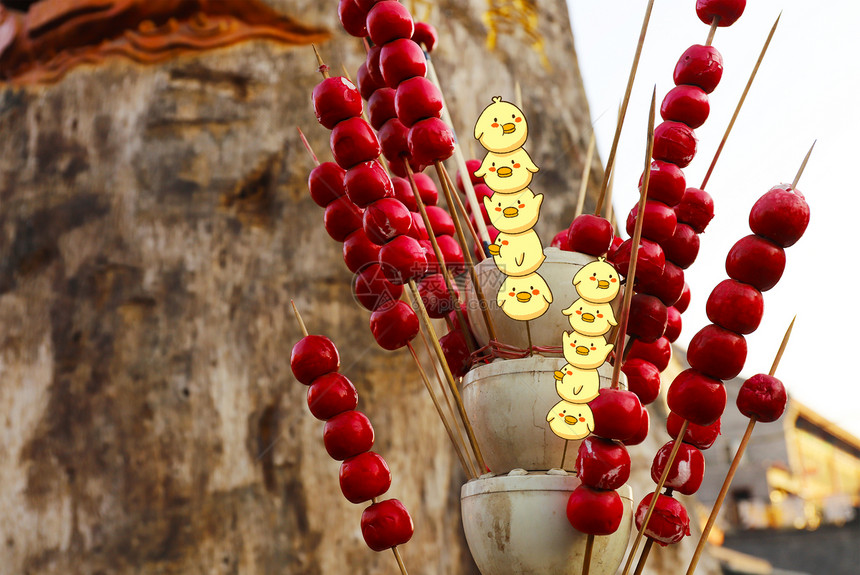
x=740, y=103
x=308, y=146
x=611, y=160
x=646, y=550
x=299, y=319
x=465, y=215
x=802, y=167
x=425, y=318
x=712, y=518
x=634, y=248
x=586, y=173
x=399, y=560
x=713, y=31
x=586, y=560
x=323, y=69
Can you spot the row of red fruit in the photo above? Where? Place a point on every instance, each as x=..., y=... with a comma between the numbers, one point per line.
x=348, y=437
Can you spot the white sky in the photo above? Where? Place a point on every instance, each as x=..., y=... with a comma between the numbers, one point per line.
x=807, y=88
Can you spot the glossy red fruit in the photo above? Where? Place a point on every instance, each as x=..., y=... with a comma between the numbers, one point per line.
x=364, y=477
x=417, y=98
x=560, y=241
x=642, y=434
x=696, y=397
x=683, y=301
x=756, y=261
x=380, y=107
x=617, y=413
x=452, y=254
x=386, y=524
x=366, y=183
x=313, y=356
x=685, y=473
x=440, y=221
x=331, y=394
x=367, y=85
x=366, y=5
x=394, y=325
x=659, y=352
x=430, y=140
x=352, y=18
x=325, y=183
x=650, y=260
x=666, y=183
x=717, y=352
x=336, y=99
x=762, y=398
x=359, y=252
x=673, y=324
x=686, y=104
x=781, y=215
x=393, y=139
x=456, y=352
x=590, y=235
x=372, y=290
x=669, y=522
x=347, y=434
x=434, y=294
x=373, y=69
x=342, y=217
x=388, y=21
x=696, y=209
x=419, y=230
x=403, y=192
x=682, y=248
x=735, y=306
x=386, y=219
x=674, y=142
x=430, y=254
x=471, y=167
x=426, y=189
x=643, y=379
x=668, y=286
x=647, y=319
x=400, y=60
x=700, y=66
x=403, y=259
x=602, y=463
x=425, y=36
x=728, y=11
x=595, y=512
x=353, y=141
x=702, y=436
x=659, y=223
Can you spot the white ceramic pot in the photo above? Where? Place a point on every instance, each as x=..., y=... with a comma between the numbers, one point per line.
x=507, y=402
x=517, y=525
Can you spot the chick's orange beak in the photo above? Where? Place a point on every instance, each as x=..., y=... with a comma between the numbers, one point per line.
x=509, y=128
x=511, y=212
x=524, y=297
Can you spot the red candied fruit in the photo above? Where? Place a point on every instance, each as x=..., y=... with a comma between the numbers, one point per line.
x=388, y=21
x=686, y=104
x=687, y=470
x=590, y=234
x=430, y=140
x=403, y=192
x=642, y=434
x=440, y=221
x=342, y=217
x=602, y=463
x=666, y=183
x=456, y=352
x=643, y=379
x=595, y=512
x=347, y=434
x=386, y=524
x=366, y=183
x=372, y=290
x=403, y=259
x=673, y=324
x=728, y=11
x=452, y=254
x=336, y=99
x=696, y=397
x=756, y=261
x=366, y=83
x=426, y=189
x=560, y=241
x=313, y=356
x=702, y=436
x=659, y=222
x=419, y=230
x=650, y=260
x=647, y=317
x=735, y=306
x=353, y=141
x=359, y=252
x=393, y=140
x=617, y=413
x=683, y=301
x=425, y=35
x=700, y=66
x=696, y=209
x=659, y=352
x=682, y=248
x=373, y=69
x=762, y=398
x=674, y=142
x=331, y=394
x=394, y=325
x=471, y=167
x=380, y=107
x=717, y=352
x=417, y=98
x=781, y=215
x=669, y=522
x=352, y=18
x=668, y=286
x=325, y=183
x=400, y=60
x=364, y=477
x=434, y=294
x=386, y=219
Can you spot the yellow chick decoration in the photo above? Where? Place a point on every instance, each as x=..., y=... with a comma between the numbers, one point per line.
x=577, y=385
x=514, y=213
x=507, y=173
x=590, y=318
x=585, y=352
x=597, y=282
x=571, y=421
x=524, y=298
x=517, y=254
x=501, y=127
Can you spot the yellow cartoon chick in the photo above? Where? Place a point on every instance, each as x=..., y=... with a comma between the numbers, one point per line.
x=577, y=385
x=597, y=282
x=507, y=173
x=524, y=298
x=590, y=318
x=570, y=420
x=517, y=254
x=501, y=127
x=514, y=213
x=585, y=352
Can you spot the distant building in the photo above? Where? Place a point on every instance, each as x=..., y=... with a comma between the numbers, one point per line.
x=800, y=471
